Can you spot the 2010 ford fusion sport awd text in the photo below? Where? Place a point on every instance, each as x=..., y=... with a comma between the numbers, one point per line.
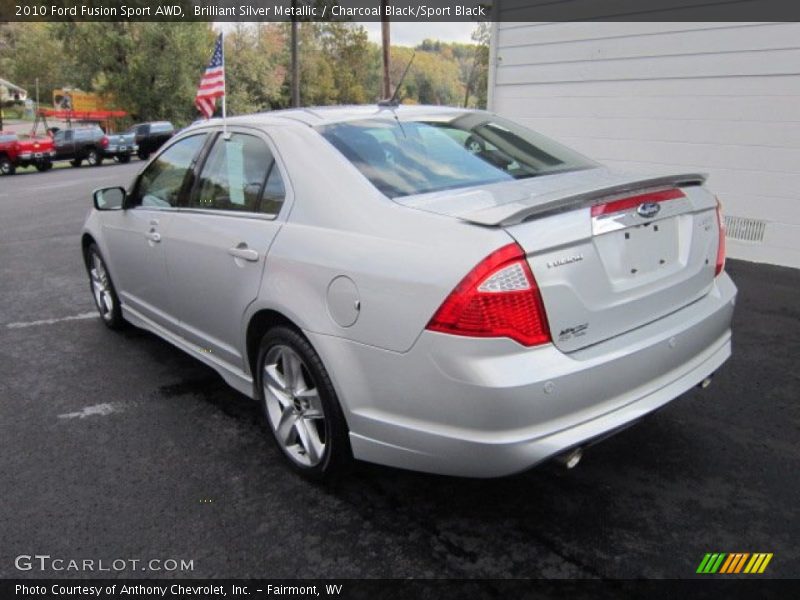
x=423, y=287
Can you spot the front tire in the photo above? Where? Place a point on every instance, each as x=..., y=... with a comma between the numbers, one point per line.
x=301, y=407
x=103, y=290
x=124, y=159
x=76, y=162
x=143, y=154
x=43, y=166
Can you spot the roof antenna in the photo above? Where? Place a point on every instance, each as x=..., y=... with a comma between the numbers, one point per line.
x=395, y=100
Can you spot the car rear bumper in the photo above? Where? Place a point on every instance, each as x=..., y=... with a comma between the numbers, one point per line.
x=489, y=407
x=120, y=150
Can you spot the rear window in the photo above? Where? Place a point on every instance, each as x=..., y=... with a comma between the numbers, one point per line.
x=85, y=134
x=405, y=157
x=160, y=127
x=8, y=137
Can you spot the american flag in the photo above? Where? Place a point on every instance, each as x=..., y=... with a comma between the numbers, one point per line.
x=212, y=85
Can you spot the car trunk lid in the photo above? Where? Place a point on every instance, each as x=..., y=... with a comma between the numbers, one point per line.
x=610, y=252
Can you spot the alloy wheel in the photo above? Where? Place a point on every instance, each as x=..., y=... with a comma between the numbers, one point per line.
x=294, y=407
x=101, y=287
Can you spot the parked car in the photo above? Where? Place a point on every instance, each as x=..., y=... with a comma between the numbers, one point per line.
x=92, y=145
x=16, y=152
x=79, y=144
x=392, y=290
x=120, y=146
x=151, y=136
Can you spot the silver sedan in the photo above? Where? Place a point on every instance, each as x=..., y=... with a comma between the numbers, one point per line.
x=429, y=288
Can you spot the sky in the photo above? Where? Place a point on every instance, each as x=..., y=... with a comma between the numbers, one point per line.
x=411, y=34
x=408, y=34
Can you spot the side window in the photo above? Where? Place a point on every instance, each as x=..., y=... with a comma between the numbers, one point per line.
x=68, y=136
x=274, y=192
x=161, y=182
x=234, y=174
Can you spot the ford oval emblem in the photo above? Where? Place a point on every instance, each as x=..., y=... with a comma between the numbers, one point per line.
x=648, y=210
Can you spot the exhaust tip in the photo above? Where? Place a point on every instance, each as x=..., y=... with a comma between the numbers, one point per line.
x=570, y=460
x=706, y=382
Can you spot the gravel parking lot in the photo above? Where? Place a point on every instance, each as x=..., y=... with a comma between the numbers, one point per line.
x=120, y=446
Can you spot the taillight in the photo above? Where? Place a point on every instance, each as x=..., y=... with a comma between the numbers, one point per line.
x=721, y=243
x=498, y=298
x=104, y=142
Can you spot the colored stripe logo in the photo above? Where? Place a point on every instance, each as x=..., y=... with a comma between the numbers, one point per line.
x=733, y=563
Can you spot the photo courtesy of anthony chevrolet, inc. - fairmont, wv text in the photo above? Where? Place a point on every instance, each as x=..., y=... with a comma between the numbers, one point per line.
x=390, y=299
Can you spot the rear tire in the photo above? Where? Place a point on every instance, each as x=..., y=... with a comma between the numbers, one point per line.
x=93, y=158
x=6, y=166
x=103, y=290
x=301, y=407
x=76, y=162
x=143, y=154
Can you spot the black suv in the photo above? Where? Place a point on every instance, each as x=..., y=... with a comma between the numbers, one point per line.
x=151, y=136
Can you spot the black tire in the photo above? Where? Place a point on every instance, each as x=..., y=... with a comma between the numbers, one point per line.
x=337, y=456
x=6, y=166
x=111, y=315
x=44, y=165
x=124, y=159
x=76, y=162
x=475, y=145
x=143, y=154
x=93, y=158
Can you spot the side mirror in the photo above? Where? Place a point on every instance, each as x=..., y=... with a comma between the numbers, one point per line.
x=112, y=198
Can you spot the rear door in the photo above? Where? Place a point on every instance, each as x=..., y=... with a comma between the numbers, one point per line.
x=64, y=143
x=218, y=241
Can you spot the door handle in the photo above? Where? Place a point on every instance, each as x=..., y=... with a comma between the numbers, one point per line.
x=242, y=251
x=153, y=236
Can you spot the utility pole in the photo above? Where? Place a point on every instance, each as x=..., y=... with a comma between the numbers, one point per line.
x=386, y=42
x=295, y=62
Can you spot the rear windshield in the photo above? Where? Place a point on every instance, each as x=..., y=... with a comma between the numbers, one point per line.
x=160, y=127
x=405, y=157
x=90, y=132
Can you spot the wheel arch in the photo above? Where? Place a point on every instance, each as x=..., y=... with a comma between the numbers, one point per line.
x=258, y=325
x=86, y=240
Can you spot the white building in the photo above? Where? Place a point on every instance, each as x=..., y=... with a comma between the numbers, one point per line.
x=9, y=92
x=720, y=98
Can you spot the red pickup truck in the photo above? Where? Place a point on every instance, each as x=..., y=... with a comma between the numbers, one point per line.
x=16, y=152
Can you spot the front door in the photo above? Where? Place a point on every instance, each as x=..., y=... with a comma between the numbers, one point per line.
x=137, y=236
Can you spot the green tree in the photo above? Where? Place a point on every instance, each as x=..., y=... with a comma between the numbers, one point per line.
x=256, y=60
x=150, y=70
x=354, y=60
x=29, y=51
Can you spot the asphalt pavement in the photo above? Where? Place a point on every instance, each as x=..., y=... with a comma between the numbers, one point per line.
x=119, y=446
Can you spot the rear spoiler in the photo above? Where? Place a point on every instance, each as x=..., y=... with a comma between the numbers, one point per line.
x=538, y=205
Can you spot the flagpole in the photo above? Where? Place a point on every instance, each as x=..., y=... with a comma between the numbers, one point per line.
x=225, y=83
